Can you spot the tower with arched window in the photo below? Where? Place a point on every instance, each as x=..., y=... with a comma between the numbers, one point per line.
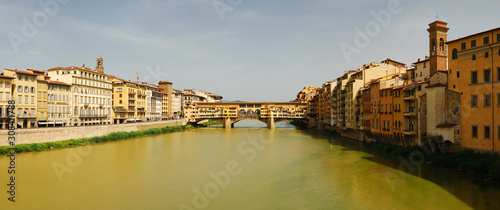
x=437, y=46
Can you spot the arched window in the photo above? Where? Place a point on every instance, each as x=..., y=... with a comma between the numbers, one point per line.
x=454, y=54
x=441, y=45
x=433, y=45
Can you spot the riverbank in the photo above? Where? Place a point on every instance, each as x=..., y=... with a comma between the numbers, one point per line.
x=41, y=135
x=209, y=123
x=485, y=166
x=115, y=136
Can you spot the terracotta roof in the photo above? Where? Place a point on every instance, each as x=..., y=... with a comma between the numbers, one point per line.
x=40, y=80
x=488, y=31
x=21, y=72
x=58, y=83
x=6, y=77
x=34, y=70
x=422, y=61
x=164, y=82
x=446, y=125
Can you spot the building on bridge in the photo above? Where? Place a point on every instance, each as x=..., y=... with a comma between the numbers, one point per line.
x=229, y=113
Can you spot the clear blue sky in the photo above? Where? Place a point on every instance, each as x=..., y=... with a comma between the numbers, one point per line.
x=260, y=51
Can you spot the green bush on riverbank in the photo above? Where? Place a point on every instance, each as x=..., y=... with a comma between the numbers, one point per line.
x=486, y=166
x=92, y=140
x=210, y=123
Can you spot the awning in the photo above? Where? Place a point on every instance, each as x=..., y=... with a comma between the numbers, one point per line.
x=42, y=123
x=59, y=122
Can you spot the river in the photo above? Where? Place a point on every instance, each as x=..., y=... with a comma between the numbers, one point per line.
x=240, y=168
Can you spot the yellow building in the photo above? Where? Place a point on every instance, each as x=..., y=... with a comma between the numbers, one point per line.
x=5, y=96
x=24, y=86
x=129, y=101
x=41, y=116
x=474, y=72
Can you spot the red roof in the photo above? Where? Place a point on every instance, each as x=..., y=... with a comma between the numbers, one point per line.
x=21, y=72
x=164, y=82
x=58, y=83
x=446, y=125
x=34, y=70
x=6, y=77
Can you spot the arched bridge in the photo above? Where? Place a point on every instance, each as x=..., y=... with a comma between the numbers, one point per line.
x=229, y=113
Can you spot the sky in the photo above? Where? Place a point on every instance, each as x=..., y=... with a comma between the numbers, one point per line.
x=250, y=50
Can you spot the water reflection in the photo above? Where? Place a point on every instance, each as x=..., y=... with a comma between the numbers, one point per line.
x=280, y=169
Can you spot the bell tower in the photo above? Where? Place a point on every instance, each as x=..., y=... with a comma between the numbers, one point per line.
x=99, y=65
x=438, y=50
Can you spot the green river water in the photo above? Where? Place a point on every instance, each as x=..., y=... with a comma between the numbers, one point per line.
x=240, y=168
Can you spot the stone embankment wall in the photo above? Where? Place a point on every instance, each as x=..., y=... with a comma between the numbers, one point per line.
x=40, y=135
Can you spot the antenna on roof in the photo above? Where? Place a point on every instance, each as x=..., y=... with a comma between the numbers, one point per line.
x=437, y=16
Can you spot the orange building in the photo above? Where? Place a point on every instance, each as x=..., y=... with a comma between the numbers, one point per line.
x=398, y=117
x=386, y=111
x=375, y=107
x=474, y=72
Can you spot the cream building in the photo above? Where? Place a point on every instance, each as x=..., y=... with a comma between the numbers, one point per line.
x=91, y=93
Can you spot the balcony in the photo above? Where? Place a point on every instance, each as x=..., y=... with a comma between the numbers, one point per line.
x=410, y=114
x=409, y=98
x=101, y=105
x=86, y=104
x=131, y=99
x=93, y=115
x=132, y=105
x=409, y=132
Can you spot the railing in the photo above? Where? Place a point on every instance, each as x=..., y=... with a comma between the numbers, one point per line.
x=93, y=115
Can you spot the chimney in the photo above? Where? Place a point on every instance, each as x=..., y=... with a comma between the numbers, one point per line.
x=83, y=65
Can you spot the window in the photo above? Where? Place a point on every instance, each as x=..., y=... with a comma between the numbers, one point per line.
x=463, y=46
x=32, y=89
x=487, y=100
x=474, y=77
x=474, y=131
x=473, y=43
x=20, y=89
x=120, y=101
x=498, y=74
x=486, y=55
x=487, y=75
x=487, y=132
x=474, y=101
x=26, y=99
x=454, y=54
x=19, y=77
x=458, y=74
x=473, y=57
x=420, y=73
x=498, y=37
x=7, y=84
x=118, y=89
x=486, y=40
x=498, y=101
